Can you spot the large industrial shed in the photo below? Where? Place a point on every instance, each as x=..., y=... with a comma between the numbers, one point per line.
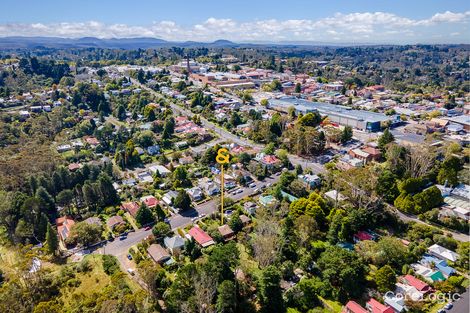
x=363, y=120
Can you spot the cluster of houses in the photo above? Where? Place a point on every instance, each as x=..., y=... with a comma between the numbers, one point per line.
x=172, y=246
x=433, y=267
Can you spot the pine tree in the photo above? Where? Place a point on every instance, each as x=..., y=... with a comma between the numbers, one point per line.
x=144, y=216
x=386, y=138
x=51, y=239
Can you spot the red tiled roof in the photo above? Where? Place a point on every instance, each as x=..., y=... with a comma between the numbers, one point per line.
x=353, y=307
x=362, y=235
x=377, y=307
x=92, y=141
x=131, y=207
x=371, y=150
x=64, y=225
x=73, y=166
x=417, y=283
x=150, y=201
x=270, y=159
x=200, y=236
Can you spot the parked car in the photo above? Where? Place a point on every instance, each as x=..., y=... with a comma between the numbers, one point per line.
x=131, y=271
x=148, y=228
x=252, y=185
x=129, y=257
x=448, y=306
x=123, y=237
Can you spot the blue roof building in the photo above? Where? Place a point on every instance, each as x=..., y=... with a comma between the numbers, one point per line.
x=441, y=265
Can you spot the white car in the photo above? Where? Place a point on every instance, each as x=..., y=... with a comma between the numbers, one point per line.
x=252, y=185
x=131, y=271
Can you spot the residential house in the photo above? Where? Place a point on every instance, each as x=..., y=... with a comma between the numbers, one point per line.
x=249, y=207
x=153, y=150
x=437, y=124
x=268, y=161
x=226, y=232
x=348, y=162
x=374, y=153
x=408, y=291
x=441, y=265
x=245, y=219
x=64, y=225
x=92, y=141
x=149, y=201
x=158, y=253
x=180, y=145
x=114, y=221
x=201, y=237
x=145, y=177
x=186, y=160
x=93, y=221
x=310, y=180
x=289, y=197
x=130, y=182
x=74, y=166
x=174, y=244
x=169, y=197
x=267, y=200
x=210, y=187
x=130, y=207
x=375, y=306
x=412, y=281
x=396, y=302
x=353, y=307
x=334, y=195
x=362, y=236
x=64, y=148
x=443, y=253
x=195, y=193
x=162, y=171
x=429, y=274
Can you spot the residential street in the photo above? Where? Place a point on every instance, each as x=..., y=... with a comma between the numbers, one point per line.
x=411, y=218
x=462, y=305
x=119, y=248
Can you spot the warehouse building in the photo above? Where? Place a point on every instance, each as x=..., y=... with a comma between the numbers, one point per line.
x=342, y=115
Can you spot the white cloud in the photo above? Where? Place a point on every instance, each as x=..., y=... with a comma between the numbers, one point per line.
x=352, y=27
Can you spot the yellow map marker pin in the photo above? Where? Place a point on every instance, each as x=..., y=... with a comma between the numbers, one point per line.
x=223, y=157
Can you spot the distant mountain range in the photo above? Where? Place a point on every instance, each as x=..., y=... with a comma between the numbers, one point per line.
x=112, y=43
x=19, y=42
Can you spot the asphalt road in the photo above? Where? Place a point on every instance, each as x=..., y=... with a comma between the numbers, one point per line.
x=120, y=248
x=209, y=207
x=462, y=305
x=412, y=218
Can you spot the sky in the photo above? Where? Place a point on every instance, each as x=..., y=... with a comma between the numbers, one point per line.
x=327, y=21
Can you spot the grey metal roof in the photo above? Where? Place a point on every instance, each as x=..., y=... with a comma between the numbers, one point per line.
x=331, y=109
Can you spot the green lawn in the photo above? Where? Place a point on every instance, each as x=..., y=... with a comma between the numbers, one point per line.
x=333, y=306
x=131, y=220
x=249, y=264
